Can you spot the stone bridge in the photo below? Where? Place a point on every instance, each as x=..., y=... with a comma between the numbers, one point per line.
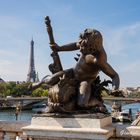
x=26, y=101
x=120, y=100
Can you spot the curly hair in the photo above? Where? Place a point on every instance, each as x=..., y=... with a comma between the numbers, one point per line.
x=95, y=34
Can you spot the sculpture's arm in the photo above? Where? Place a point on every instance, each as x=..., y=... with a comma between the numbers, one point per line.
x=56, y=66
x=54, y=79
x=67, y=47
x=108, y=70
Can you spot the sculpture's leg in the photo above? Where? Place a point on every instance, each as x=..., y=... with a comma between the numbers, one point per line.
x=84, y=94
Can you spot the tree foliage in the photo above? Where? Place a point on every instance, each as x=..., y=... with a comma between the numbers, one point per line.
x=2, y=90
x=15, y=89
x=39, y=92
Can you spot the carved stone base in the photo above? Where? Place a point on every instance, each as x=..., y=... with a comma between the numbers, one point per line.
x=70, y=127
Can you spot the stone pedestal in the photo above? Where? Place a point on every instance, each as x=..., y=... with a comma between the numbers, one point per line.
x=70, y=127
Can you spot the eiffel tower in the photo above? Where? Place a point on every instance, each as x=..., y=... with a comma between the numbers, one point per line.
x=31, y=76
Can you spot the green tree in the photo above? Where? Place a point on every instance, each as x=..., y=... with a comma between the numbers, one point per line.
x=39, y=92
x=22, y=89
x=19, y=89
x=2, y=90
x=11, y=88
x=45, y=93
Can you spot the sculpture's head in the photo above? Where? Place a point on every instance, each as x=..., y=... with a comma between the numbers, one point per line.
x=90, y=41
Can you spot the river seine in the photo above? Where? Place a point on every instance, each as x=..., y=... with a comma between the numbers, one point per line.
x=26, y=115
x=9, y=115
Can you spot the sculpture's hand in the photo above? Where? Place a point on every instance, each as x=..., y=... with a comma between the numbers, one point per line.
x=29, y=87
x=34, y=86
x=114, y=87
x=54, y=47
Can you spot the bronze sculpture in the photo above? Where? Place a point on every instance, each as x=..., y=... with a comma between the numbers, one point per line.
x=79, y=88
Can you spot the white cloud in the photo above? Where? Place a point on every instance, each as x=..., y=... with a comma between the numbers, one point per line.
x=9, y=23
x=129, y=74
x=12, y=70
x=119, y=40
x=5, y=53
x=4, y=63
x=123, y=46
x=13, y=48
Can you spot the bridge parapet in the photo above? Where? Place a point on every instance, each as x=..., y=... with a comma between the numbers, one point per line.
x=120, y=100
x=12, y=130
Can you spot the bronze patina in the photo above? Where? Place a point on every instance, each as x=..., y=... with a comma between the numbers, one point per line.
x=79, y=88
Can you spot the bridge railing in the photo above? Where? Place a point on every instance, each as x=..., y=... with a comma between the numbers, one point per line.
x=23, y=98
x=11, y=130
x=122, y=99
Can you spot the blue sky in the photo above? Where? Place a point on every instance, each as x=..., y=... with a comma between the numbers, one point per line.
x=117, y=20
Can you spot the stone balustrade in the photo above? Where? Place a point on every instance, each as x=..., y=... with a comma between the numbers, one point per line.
x=11, y=130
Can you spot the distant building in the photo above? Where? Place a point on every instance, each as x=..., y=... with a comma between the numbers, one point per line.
x=1, y=80
x=138, y=89
x=130, y=90
x=32, y=76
